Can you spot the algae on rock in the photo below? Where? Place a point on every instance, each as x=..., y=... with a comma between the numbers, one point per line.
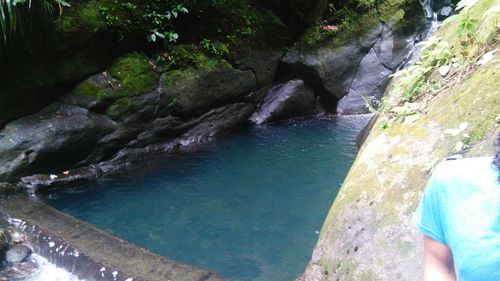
x=369, y=233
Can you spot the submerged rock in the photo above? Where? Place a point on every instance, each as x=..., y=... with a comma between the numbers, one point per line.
x=17, y=253
x=286, y=100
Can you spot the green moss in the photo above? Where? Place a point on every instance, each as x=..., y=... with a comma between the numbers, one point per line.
x=135, y=74
x=121, y=106
x=178, y=76
x=191, y=57
x=83, y=16
x=90, y=90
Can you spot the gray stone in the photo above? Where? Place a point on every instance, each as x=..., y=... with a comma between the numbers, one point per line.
x=203, y=90
x=17, y=253
x=286, y=100
x=329, y=69
x=368, y=86
x=392, y=48
x=52, y=140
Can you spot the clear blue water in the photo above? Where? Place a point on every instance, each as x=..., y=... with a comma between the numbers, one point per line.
x=249, y=206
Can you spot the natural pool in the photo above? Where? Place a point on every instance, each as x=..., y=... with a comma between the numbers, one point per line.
x=249, y=206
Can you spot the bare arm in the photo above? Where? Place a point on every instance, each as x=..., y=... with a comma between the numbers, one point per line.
x=438, y=261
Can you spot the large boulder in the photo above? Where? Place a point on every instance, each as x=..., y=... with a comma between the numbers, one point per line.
x=191, y=93
x=52, y=140
x=330, y=70
x=285, y=100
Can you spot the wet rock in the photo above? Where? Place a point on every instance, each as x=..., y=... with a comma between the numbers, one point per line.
x=51, y=140
x=17, y=253
x=368, y=86
x=328, y=69
x=199, y=130
x=217, y=122
x=43, y=182
x=286, y=100
x=444, y=12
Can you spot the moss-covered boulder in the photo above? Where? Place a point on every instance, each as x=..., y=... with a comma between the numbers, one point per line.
x=193, y=92
x=130, y=75
x=369, y=233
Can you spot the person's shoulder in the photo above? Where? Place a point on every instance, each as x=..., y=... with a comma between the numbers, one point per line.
x=463, y=168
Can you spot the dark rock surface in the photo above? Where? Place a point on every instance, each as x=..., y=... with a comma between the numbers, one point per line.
x=286, y=100
x=125, y=115
x=202, y=90
x=54, y=139
x=368, y=85
x=17, y=253
x=329, y=70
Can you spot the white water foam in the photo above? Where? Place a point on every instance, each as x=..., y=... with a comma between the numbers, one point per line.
x=48, y=271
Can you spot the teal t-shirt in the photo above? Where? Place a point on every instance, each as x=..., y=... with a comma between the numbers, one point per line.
x=461, y=209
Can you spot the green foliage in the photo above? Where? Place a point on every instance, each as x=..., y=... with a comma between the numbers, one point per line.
x=17, y=15
x=152, y=17
x=437, y=54
x=214, y=48
x=466, y=30
x=189, y=56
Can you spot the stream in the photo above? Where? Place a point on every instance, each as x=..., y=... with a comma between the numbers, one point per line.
x=249, y=206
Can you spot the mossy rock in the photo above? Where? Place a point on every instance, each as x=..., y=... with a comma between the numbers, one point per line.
x=191, y=56
x=401, y=15
x=373, y=212
x=135, y=73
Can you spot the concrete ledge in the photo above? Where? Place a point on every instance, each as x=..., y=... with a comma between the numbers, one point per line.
x=89, y=252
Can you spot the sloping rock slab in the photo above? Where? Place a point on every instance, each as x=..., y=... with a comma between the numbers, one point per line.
x=286, y=100
x=91, y=253
x=368, y=85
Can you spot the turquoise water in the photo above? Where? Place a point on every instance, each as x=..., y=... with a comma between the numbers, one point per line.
x=249, y=206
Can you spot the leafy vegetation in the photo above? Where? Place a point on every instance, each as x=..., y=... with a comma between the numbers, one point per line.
x=154, y=17
x=17, y=16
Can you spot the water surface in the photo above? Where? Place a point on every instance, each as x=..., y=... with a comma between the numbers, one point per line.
x=249, y=206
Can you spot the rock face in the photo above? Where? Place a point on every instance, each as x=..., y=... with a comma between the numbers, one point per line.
x=52, y=140
x=370, y=233
x=286, y=100
x=122, y=115
x=347, y=78
x=330, y=70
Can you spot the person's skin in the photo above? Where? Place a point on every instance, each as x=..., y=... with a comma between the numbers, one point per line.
x=438, y=261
